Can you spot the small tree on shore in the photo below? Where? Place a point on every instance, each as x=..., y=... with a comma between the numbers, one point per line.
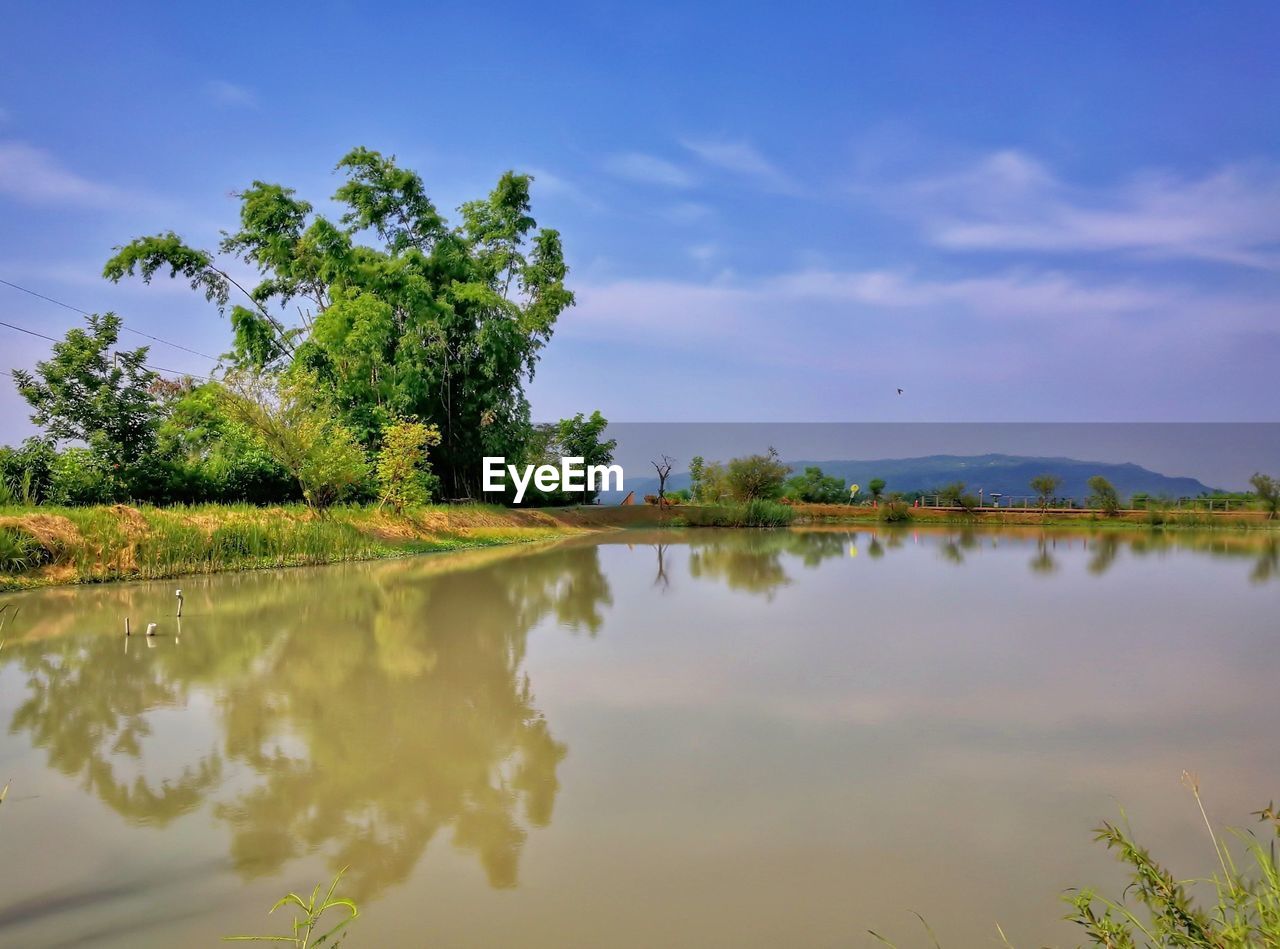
x=404, y=477
x=91, y=392
x=757, y=477
x=876, y=487
x=1104, y=496
x=1045, y=485
x=949, y=495
x=1267, y=489
x=663, y=468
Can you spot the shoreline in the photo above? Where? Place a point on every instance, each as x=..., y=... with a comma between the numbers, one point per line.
x=121, y=543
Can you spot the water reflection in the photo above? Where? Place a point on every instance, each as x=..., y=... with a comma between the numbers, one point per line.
x=753, y=561
x=370, y=717
x=362, y=713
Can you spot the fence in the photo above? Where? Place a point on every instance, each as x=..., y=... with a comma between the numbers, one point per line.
x=1032, y=502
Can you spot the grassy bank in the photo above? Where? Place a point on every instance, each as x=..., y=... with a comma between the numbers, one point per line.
x=50, y=545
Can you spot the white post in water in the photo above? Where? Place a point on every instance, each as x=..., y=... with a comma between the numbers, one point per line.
x=126, y=627
x=179, y=596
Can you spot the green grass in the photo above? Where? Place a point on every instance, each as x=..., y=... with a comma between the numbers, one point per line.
x=90, y=544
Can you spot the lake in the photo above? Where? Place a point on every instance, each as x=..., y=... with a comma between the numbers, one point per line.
x=641, y=738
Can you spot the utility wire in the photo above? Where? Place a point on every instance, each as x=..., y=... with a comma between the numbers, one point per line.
x=128, y=329
x=173, y=372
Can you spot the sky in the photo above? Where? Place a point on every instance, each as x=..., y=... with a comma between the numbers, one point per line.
x=1011, y=211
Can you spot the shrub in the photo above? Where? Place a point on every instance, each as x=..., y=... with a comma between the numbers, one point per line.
x=404, y=476
x=1104, y=496
x=80, y=476
x=756, y=477
x=895, y=512
x=751, y=514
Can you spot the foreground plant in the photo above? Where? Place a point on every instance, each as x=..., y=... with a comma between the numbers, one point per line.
x=1158, y=911
x=307, y=916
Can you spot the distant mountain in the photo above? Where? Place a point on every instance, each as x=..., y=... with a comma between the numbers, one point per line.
x=1009, y=475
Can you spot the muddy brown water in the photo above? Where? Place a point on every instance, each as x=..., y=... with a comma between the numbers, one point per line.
x=705, y=738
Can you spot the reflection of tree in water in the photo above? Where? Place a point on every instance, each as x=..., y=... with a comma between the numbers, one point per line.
x=752, y=560
x=1268, y=564
x=1043, y=562
x=375, y=706
x=1105, y=550
x=90, y=711
x=955, y=546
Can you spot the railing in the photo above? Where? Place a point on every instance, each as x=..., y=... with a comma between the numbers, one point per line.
x=1032, y=502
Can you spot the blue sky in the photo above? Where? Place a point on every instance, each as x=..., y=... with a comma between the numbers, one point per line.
x=772, y=212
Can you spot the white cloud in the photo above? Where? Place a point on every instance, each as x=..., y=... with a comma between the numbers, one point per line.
x=230, y=95
x=743, y=159
x=648, y=169
x=1011, y=202
x=812, y=304
x=34, y=176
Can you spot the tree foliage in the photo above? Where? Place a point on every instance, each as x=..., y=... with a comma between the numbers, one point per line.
x=87, y=391
x=814, y=487
x=400, y=315
x=300, y=432
x=756, y=477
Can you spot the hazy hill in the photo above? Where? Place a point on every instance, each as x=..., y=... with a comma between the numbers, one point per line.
x=1005, y=474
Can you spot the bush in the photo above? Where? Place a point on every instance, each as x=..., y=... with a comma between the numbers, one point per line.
x=1104, y=496
x=751, y=514
x=81, y=476
x=756, y=477
x=895, y=512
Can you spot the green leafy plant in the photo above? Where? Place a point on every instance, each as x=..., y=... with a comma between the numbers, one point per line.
x=404, y=476
x=1157, y=910
x=307, y=916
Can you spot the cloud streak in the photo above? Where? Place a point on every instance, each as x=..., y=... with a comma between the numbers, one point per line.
x=744, y=160
x=34, y=176
x=648, y=169
x=1011, y=202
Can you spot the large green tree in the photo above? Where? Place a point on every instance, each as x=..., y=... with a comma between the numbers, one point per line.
x=398, y=314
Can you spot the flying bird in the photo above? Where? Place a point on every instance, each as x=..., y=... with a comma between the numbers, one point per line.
x=899, y=392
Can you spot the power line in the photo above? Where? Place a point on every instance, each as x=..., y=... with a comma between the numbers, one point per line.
x=127, y=329
x=173, y=372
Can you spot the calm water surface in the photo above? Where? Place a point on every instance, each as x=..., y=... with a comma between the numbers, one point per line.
x=712, y=738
